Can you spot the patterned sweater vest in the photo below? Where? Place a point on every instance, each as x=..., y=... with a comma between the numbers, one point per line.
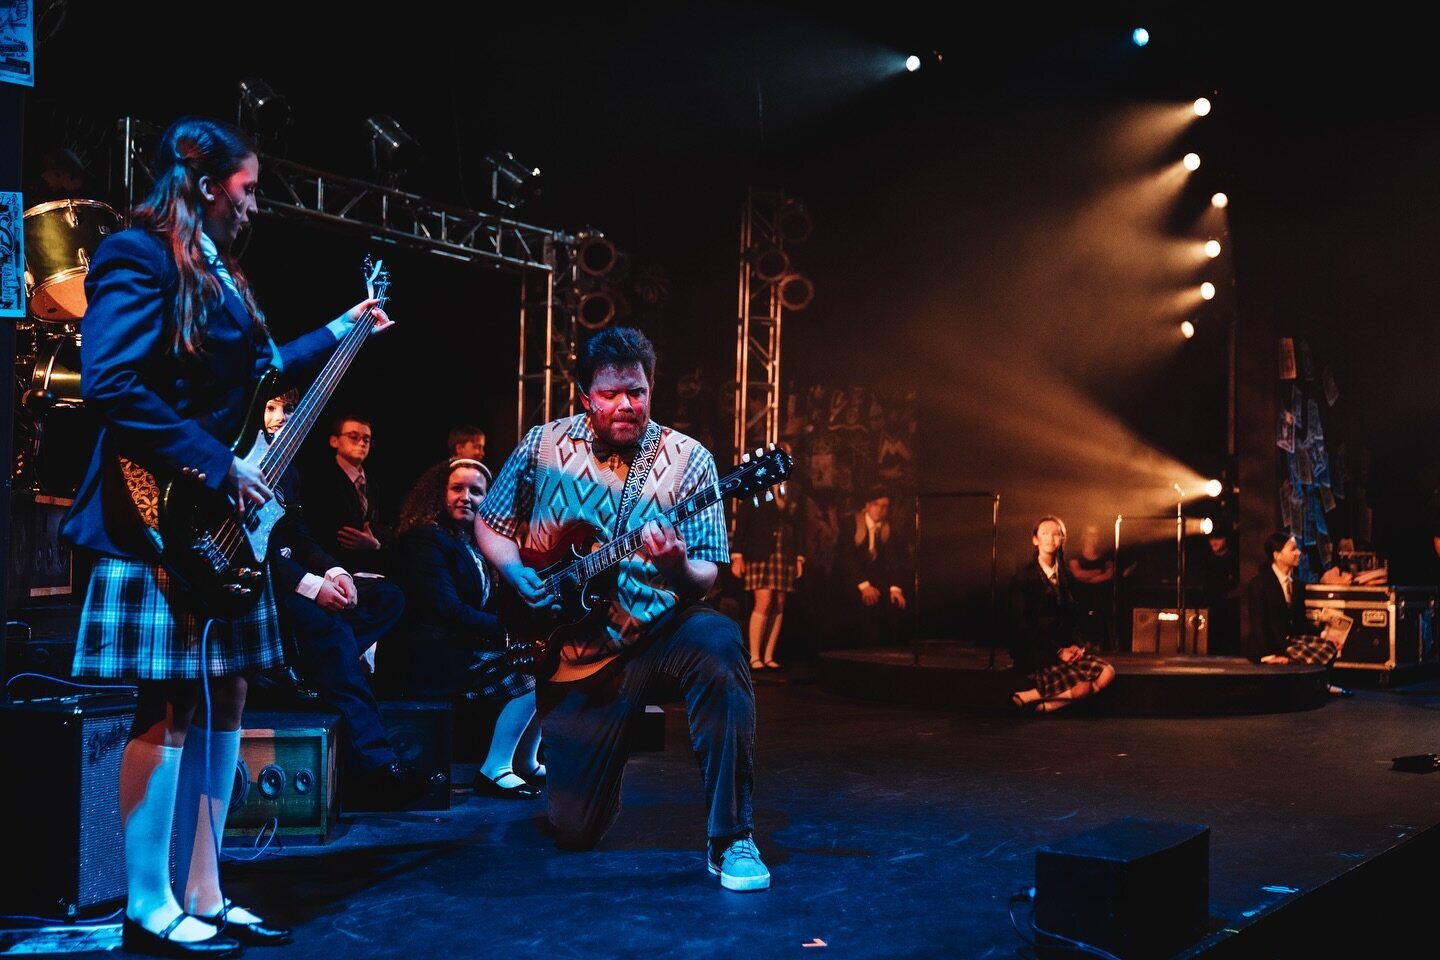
x=570, y=488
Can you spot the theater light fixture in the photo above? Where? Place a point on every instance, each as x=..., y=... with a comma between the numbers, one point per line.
x=512, y=183
x=796, y=292
x=262, y=113
x=392, y=150
x=769, y=262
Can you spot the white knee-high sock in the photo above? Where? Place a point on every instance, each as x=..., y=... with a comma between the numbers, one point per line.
x=509, y=727
x=204, y=799
x=527, y=753
x=148, y=776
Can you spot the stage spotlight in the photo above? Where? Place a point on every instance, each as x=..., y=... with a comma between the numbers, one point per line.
x=392, y=150
x=1213, y=488
x=1140, y=36
x=1212, y=248
x=1207, y=291
x=596, y=255
x=793, y=223
x=796, y=292
x=1187, y=329
x=263, y=112
x=1191, y=162
x=770, y=263
x=595, y=309
x=512, y=183
x=912, y=63
x=1202, y=107
x=1219, y=201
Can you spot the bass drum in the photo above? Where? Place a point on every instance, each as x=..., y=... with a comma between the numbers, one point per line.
x=60, y=238
x=57, y=432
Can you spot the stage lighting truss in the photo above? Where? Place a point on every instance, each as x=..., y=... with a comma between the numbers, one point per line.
x=293, y=191
x=770, y=287
x=591, y=281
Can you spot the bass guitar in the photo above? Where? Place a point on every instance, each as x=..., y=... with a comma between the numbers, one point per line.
x=217, y=556
x=579, y=573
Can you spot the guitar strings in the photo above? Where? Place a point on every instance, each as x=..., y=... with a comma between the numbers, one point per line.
x=229, y=536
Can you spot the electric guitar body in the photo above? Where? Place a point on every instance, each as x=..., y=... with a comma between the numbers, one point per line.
x=580, y=574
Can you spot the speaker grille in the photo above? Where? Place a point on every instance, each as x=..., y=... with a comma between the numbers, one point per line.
x=102, y=842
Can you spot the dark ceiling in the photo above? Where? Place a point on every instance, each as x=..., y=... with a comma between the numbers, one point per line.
x=649, y=121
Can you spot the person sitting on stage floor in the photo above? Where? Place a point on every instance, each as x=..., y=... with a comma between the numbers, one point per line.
x=868, y=563
x=177, y=344
x=450, y=644
x=1046, y=642
x=333, y=618
x=656, y=639
x=1280, y=632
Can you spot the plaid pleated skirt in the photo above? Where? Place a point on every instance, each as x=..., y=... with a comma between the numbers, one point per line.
x=776, y=573
x=135, y=626
x=492, y=678
x=1311, y=650
x=1054, y=679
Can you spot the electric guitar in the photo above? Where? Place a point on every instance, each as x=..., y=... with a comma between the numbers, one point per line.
x=218, y=557
x=578, y=573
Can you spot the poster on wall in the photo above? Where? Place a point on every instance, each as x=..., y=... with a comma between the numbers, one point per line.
x=12, y=255
x=17, y=42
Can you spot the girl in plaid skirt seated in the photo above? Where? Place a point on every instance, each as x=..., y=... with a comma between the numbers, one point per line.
x=1047, y=643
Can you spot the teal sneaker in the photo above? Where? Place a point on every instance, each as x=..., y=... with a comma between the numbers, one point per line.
x=739, y=867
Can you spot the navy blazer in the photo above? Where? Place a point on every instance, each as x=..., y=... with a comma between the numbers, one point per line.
x=853, y=556
x=333, y=502
x=164, y=412
x=446, y=616
x=1272, y=623
x=1044, y=619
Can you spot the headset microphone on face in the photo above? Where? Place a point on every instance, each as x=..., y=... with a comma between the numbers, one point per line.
x=225, y=192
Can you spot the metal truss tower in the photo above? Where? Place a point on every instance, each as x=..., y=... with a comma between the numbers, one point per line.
x=769, y=287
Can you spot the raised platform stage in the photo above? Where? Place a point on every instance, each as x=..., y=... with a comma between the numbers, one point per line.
x=952, y=675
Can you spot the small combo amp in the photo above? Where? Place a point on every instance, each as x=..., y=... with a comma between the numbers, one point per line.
x=285, y=779
x=1155, y=630
x=62, y=794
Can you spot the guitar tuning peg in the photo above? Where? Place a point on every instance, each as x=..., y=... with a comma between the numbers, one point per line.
x=745, y=457
x=759, y=451
x=782, y=489
x=769, y=496
x=755, y=500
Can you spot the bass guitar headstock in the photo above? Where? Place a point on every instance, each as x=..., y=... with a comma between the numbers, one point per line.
x=377, y=280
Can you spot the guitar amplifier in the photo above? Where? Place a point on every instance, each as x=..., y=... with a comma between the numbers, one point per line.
x=62, y=795
x=285, y=779
x=1390, y=626
x=1157, y=630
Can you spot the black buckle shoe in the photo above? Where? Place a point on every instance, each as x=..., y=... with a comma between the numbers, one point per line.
x=257, y=934
x=490, y=787
x=136, y=939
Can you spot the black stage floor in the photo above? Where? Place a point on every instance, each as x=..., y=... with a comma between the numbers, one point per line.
x=898, y=829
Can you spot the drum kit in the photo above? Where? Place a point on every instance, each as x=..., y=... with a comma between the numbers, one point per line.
x=54, y=433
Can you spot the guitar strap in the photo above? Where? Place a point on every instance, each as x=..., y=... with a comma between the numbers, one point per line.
x=639, y=471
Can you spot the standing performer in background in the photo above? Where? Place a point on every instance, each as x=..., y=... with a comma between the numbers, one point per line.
x=1047, y=643
x=656, y=639
x=766, y=557
x=174, y=348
